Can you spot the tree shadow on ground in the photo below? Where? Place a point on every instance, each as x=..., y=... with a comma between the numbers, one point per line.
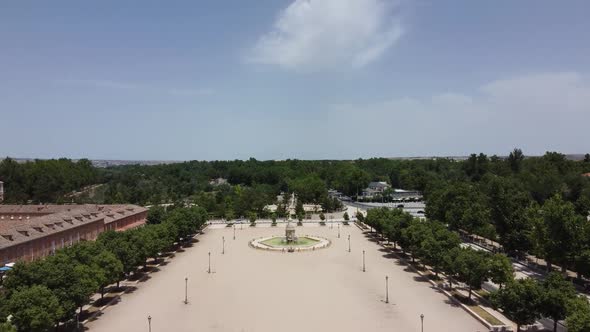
x=390, y=256
x=420, y=278
x=106, y=299
x=151, y=269
x=136, y=276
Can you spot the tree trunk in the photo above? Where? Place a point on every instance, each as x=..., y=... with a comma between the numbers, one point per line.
x=118, y=281
x=549, y=266
x=554, y=325
x=517, y=327
x=470, y=292
x=101, y=292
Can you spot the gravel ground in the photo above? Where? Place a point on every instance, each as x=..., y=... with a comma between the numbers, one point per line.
x=261, y=291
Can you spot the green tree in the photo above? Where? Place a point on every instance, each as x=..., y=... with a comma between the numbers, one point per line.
x=112, y=269
x=451, y=263
x=556, y=295
x=120, y=245
x=345, y=216
x=438, y=242
x=156, y=215
x=7, y=327
x=461, y=206
x=473, y=268
x=360, y=216
x=520, y=300
x=501, y=271
x=515, y=159
x=560, y=229
x=34, y=309
x=413, y=238
x=507, y=201
x=252, y=217
x=229, y=214
x=578, y=316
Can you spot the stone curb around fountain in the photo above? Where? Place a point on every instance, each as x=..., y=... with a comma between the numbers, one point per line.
x=257, y=244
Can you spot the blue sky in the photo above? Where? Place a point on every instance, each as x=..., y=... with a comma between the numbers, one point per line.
x=276, y=79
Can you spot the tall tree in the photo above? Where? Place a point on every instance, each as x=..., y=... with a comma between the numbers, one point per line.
x=34, y=309
x=515, y=159
x=578, y=316
x=563, y=229
x=557, y=294
x=520, y=300
x=473, y=268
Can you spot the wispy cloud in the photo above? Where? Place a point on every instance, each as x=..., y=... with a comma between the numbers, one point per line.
x=538, y=112
x=118, y=85
x=324, y=34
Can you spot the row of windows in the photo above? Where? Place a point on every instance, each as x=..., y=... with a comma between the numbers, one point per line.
x=32, y=250
x=49, y=246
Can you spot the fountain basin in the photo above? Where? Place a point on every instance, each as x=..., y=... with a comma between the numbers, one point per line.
x=279, y=243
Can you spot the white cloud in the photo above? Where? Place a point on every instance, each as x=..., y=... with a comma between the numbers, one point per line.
x=313, y=34
x=539, y=112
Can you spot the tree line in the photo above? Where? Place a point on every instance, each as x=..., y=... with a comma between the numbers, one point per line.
x=522, y=300
x=43, y=293
x=45, y=181
x=437, y=246
x=488, y=179
x=548, y=220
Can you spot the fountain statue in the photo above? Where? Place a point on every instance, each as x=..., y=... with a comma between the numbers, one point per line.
x=290, y=233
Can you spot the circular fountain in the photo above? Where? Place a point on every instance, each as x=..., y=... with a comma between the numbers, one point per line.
x=290, y=242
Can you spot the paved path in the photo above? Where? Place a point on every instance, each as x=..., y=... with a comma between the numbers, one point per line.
x=260, y=291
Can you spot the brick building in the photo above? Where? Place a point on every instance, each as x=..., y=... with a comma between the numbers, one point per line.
x=32, y=231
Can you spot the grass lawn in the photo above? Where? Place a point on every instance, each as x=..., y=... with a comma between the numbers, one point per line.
x=477, y=309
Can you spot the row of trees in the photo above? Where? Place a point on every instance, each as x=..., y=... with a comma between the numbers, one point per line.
x=523, y=300
x=254, y=183
x=437, y=246
x=555, y=230
x=526, y=300
x=42, y=293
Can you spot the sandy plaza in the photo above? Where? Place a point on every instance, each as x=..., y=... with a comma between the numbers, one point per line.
x=261, y=291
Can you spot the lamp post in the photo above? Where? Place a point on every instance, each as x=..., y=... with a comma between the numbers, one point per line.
x=150, y=323
x=348, y=242
x=422, y=321
x=386, y=289
x=363, y=261
x=209, y=269
x=185, y=290
x=223, y=248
